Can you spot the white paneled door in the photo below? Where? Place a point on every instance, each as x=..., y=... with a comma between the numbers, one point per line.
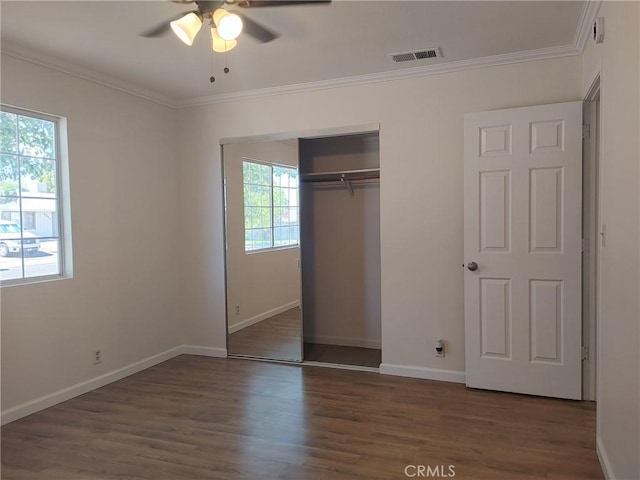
x=522, y=246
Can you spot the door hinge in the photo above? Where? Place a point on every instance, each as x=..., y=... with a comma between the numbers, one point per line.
x=585, y=245
x=585, y=353
x=586, y=131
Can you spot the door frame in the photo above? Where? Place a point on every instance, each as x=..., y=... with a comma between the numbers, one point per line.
x=591, y=222
x=282, y=136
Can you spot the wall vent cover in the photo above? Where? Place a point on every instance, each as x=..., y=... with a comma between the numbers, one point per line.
x=416, y=55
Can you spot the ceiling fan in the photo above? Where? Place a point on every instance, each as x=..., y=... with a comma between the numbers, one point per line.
x=225, y=21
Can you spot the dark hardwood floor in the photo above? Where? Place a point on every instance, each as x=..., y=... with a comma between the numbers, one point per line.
x=363, y=357
x=207, y=418
x=277, y=337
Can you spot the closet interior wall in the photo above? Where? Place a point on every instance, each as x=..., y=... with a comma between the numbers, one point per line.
x=340, y=239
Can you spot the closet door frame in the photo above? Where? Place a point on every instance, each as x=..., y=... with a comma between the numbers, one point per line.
x=282, y=136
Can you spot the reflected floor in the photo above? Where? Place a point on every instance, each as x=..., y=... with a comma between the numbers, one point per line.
x=277, y=337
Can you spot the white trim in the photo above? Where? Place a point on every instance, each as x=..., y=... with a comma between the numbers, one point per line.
x=604, y=459
x=454, y=376
x=591, y=254
x=306, y=134
x=203, y=351
x=46, y=401
x=262, y=316
x=343, y=341
x=594, y=88
x=75, y=70
x=587, y=17
x=405, y=73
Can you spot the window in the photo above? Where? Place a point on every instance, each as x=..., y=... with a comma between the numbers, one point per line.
x=270, y=206
x=30, y=203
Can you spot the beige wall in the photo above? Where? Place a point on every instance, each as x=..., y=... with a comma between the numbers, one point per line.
x=341, y=244
x=128, y=181
x=618, y=381
x=138, y=289
x=259, y=282
x=421, y=191
x=126, y=240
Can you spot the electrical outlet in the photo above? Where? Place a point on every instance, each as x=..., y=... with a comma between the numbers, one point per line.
x=439, y=348
x=97, y=356
x=237, y=309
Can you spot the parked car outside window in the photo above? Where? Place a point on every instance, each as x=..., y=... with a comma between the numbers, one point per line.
x=13, y=239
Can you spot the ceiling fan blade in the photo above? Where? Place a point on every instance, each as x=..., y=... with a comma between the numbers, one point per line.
x=164, y=27
x=256, y=30
x=156, y=31
x=278, y=3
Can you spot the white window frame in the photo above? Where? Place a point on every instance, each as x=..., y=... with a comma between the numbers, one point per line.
x=271, y=209
x=63, y=205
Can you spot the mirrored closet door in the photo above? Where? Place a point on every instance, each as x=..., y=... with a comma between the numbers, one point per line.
x=264, y=318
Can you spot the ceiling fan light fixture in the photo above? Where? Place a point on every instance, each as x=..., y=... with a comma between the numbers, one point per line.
x=187, y=27
x=229, y=24
x=219, y=44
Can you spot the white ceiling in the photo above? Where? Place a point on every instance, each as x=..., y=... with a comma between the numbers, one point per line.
x=317, y=43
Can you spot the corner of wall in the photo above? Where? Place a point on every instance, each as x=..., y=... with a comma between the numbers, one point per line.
x=54, y=398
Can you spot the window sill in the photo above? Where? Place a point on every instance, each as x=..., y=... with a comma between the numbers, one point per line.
x=30, y=281
x=271, y=249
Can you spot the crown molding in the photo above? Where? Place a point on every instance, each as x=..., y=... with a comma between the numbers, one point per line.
x=583, y=32
x=587, y=17
x=38, y=58
x=439, y=69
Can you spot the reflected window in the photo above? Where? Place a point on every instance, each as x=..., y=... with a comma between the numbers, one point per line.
x=270, y=206
x=30, y=241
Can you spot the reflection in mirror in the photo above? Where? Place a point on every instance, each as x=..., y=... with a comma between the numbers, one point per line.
x=262, y=250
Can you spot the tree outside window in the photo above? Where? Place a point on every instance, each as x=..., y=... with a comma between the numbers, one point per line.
x=270, y=206
x=29, y=197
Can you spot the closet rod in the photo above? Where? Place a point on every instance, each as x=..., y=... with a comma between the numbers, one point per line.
x=343, y=176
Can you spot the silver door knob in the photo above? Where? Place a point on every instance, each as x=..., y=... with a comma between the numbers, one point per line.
x=473, y=266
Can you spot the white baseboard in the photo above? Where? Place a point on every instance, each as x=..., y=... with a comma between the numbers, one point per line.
x=204, y=351
x=604, y=459
x=46, y=401
x=343, y=341
x=454, y=376
x=262, y=316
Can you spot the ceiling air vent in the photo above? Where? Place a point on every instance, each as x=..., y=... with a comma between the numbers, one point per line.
x=416, y=55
